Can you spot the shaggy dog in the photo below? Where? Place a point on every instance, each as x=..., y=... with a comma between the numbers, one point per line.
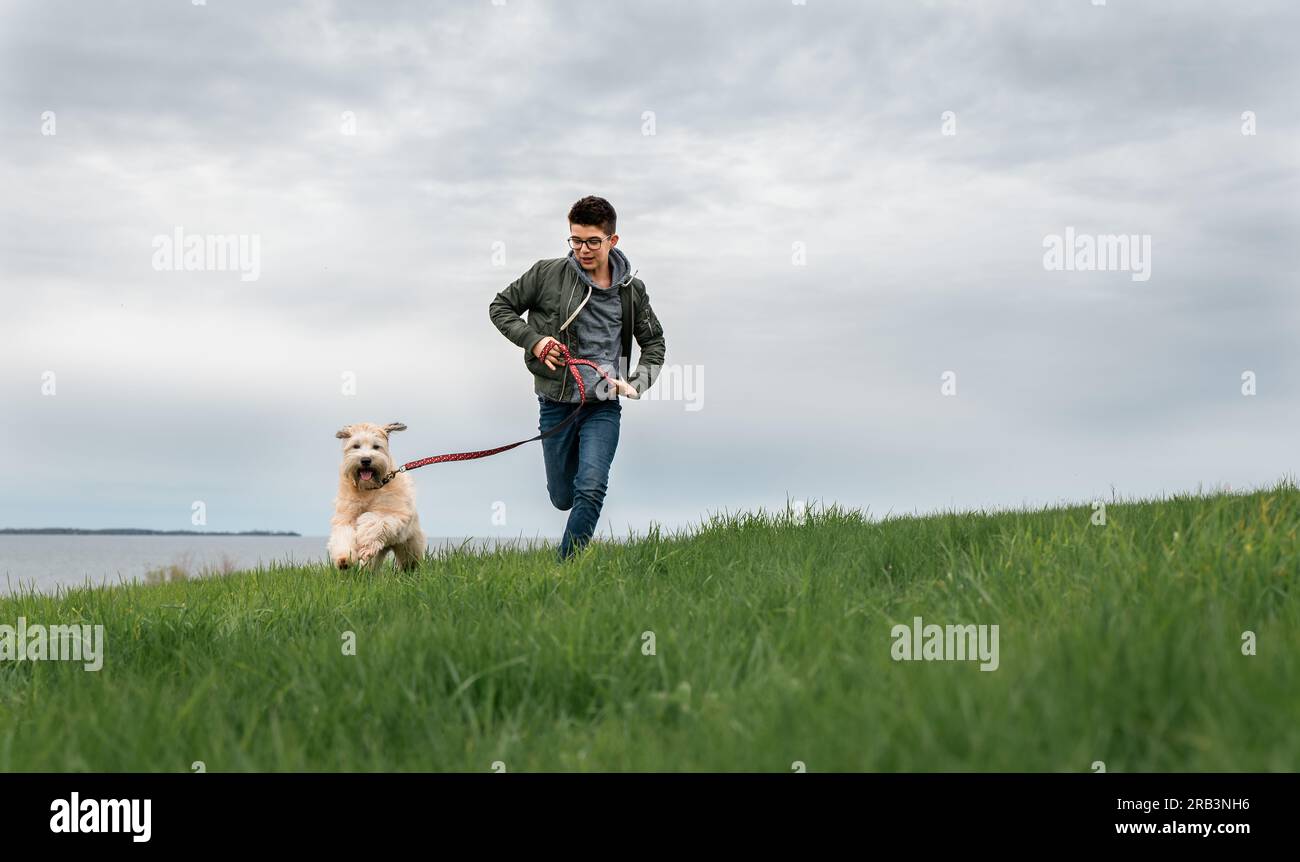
x=371, y=518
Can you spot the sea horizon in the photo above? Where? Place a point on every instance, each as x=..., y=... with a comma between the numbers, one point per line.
x=46, y=562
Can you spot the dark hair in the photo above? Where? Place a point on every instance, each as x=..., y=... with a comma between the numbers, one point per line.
x=594, y=212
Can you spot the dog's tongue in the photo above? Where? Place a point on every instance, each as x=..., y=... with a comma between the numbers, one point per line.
x=367, y=475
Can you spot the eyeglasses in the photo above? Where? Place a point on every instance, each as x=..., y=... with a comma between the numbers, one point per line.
x=592, y=242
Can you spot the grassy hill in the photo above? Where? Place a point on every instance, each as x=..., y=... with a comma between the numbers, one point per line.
x=772, y=643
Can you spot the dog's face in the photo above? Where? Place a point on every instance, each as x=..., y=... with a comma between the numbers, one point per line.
x=366, y=459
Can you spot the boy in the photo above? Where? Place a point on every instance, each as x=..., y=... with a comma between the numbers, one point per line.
x=592, y=303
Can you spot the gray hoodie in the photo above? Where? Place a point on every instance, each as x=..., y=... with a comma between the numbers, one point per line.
x=597, y=323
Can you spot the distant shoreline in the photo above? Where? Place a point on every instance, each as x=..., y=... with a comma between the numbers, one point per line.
x=127, y=531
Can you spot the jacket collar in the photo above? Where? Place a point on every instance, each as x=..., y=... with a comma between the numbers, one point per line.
x=619, y=267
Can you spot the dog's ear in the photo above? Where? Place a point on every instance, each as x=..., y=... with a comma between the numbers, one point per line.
x=394, y=426
x=344, y=433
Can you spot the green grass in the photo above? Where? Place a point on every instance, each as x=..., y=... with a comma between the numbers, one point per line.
x=1120, y=643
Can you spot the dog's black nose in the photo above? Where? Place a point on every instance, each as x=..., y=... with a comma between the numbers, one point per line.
x=365, y=462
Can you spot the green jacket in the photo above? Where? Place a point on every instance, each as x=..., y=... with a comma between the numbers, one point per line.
x=550, y=292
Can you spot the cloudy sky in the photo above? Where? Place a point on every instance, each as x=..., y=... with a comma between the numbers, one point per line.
x=821, y=240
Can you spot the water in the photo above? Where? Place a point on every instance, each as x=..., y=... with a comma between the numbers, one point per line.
x=46, y=563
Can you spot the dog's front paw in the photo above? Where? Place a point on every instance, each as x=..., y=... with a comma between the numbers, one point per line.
x=368, y=551
x=339, y=548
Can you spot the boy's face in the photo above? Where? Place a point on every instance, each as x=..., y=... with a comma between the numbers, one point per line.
x=592, y=259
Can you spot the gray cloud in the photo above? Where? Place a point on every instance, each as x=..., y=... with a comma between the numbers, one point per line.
x=775, y=124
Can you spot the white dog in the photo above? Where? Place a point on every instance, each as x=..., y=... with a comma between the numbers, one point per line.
x=371, y=518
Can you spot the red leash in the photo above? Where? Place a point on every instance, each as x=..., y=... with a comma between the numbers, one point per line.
x=569, y=363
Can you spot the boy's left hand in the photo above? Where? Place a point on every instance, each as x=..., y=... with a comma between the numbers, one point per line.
x=625, y=389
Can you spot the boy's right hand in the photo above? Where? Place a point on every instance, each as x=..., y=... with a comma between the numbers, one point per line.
x=548, y=351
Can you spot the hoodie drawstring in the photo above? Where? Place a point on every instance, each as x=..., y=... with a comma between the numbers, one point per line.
x=624, y=283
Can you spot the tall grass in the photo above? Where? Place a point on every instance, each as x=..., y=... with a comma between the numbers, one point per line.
x=771, y=635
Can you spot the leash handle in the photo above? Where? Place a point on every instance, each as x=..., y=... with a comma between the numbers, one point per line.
x=570, y=363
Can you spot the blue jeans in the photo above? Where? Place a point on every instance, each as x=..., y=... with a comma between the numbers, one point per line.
x=578, y=459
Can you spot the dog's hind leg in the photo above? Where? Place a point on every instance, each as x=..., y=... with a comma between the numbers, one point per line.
x=410, y=553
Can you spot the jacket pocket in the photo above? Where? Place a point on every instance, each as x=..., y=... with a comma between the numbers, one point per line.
x=646, y=315
x=544, y=325
x=539, y=369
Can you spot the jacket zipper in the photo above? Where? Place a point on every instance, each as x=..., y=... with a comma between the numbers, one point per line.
x=631, y=306
x=564, y=377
